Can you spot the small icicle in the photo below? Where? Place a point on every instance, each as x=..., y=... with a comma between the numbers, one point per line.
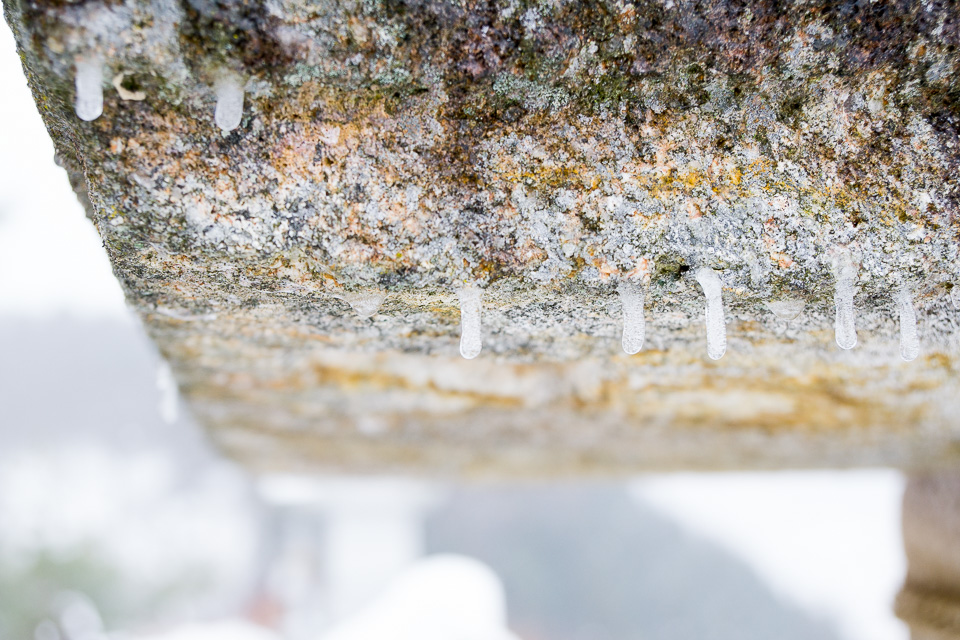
x=229, y=102
x=845, y=326
x=471, y=340
x=631, y=298
x=786, y=308
x=89, y=85
x=365, y=303
x=909, y=337
x=955, y=296
x=167, y=387
x=716, y=329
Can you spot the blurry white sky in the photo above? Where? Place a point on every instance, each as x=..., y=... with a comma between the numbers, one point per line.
x=51, y=260
x=828, y=541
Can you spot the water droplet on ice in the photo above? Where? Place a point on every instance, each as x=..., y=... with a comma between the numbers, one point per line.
x=89, y=84
x=845, y=325
x=716, y=329
x=365, y=303
x=229, y=102
x=786, y=308
x=167, y=387
x=631, y=298
x=909, y=336
x=470, y=338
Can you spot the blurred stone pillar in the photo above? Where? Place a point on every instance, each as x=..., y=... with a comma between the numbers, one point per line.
x=930, y=599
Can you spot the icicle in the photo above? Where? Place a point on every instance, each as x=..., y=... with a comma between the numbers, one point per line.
x=89, y=84
x=845, y=326
x=716, y=330
x=365, y=303
x=167, y=387
x=909, y=337
x=631, y=298
x=955, y=296
x=229, y=102
x=471, y=340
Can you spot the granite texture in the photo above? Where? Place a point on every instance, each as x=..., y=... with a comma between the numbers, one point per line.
x=545, y=152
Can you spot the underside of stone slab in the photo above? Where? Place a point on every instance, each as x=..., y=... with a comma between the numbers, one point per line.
x=394, y=152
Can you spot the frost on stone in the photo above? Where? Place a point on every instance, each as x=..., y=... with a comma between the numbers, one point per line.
x=229, y=102
x=89, y=85
x=365, y=303
x=845, y=323
x=631, y=298
x=167, y=387
x=185, y=316
x=716, y=330
x=786, y=308
x=909, y=336
x=471, y=340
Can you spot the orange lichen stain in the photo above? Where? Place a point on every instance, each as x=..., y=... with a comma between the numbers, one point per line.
x=746, y=326
x=816, y=405
x=133, y=146
x=529, y=252
x=641, y=271
x=774, y=403
x=693, y=178
x=294, y=154
x=782, y=260
x=360, y=380
x=605, y=268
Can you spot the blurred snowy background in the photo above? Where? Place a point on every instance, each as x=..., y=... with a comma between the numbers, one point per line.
x=118, y=521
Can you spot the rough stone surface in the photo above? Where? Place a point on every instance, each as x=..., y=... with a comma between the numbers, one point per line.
x=545, y=151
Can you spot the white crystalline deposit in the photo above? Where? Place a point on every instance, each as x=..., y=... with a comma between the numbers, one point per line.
x=471, y=340
x=845, y=324
x=229, y=110
x=89, y=84
x=631, y=297
x=716, y=329
x=909, y=336
x=365, y=303
x=786, y=308
x=167, y=387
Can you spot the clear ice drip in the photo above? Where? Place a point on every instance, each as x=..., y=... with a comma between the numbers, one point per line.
x=229, y=102
x=844, y=326
x=89, y=84
x=786, y=308
x=716, y=329
x=909, y=336
x=365, y=303
x=167, y=387
x=631, y=298
x=470, y=339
